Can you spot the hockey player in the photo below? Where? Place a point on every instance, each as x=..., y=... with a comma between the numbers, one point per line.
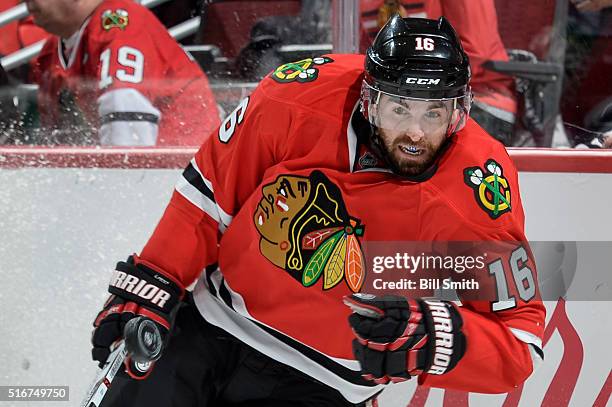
x=112, y=66
x=270, y=218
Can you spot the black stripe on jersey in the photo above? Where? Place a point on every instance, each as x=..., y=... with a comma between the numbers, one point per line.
x=537, y=349
x=336, y=368
x=209, y=271
x=225, y=295
x=193, y=177
x=129, y=117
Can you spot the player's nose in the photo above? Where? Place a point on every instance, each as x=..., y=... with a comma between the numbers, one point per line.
x=414, y=133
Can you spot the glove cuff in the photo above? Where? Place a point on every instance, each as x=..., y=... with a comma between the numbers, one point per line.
x=153, y=289
x=447, y=342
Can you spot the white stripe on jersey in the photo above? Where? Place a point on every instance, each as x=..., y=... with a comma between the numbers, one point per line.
x=226, y=218
x=527, y=337
x=197, y=198
x=351, y=138
x=127, y=133
x=532, y=341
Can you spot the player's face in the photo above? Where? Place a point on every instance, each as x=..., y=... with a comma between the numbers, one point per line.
x=411, y=131
x=51, y=15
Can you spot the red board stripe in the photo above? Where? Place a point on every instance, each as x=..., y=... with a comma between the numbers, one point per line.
x=88, y=157
x=561, y=160
x=526, y=159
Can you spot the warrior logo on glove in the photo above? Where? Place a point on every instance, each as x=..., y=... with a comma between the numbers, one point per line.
x=306, y=230
x=397, y=337
x=137, y=290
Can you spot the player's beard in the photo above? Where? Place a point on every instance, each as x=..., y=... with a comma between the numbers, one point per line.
x=405, y=164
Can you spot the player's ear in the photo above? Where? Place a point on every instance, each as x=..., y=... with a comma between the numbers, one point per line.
x=455, y=117
x=456, y=122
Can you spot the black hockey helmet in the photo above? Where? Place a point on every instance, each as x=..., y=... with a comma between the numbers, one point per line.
x=417, y=58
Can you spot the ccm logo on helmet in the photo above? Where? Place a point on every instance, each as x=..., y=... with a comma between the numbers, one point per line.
x=443, y=327
x=422, y=81
x=141, y=288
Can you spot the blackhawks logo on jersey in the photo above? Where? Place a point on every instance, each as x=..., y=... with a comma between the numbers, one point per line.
x=306, y=230
x=301, y=71
x=491, y=189
x=115, y=19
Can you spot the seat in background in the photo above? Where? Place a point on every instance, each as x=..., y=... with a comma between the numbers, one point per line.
x=534, y=34
x=227, y=23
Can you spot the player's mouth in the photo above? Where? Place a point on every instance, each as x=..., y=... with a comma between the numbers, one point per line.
x=410, y=150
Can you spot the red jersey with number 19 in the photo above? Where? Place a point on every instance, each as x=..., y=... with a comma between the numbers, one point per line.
x=122, y=46
x=277, y=209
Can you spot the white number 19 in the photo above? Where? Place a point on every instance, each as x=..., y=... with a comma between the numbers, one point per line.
x=127, y=57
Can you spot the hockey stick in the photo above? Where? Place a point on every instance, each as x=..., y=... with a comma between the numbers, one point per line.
x=142, y=344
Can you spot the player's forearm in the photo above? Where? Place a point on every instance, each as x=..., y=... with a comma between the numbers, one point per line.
x=495, y=361
x=184, y=241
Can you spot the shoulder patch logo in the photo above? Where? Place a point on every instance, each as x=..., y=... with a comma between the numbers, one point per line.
x=491, y=189
x=115, y=19
x=301, y=71
x=306, y=230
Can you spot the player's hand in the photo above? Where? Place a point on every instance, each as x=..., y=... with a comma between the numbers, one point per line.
x=397, y=338
x=136, y=290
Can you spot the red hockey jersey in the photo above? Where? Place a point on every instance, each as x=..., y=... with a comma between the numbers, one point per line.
x=122, y=46
x=272, y=214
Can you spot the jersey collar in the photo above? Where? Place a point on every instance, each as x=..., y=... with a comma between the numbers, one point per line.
x=75, y=41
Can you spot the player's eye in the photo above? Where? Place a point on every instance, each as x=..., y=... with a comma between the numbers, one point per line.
x=433, y=114
x=400, y=110
x=282, y=191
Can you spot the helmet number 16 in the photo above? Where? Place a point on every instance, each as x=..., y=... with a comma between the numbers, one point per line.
x=424, y=44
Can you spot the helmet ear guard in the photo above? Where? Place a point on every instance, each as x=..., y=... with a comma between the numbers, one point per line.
x=461, y=113
x=367, y=104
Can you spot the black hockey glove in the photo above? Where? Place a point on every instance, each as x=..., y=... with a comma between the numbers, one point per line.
x=136, y=290
x=398, y=338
